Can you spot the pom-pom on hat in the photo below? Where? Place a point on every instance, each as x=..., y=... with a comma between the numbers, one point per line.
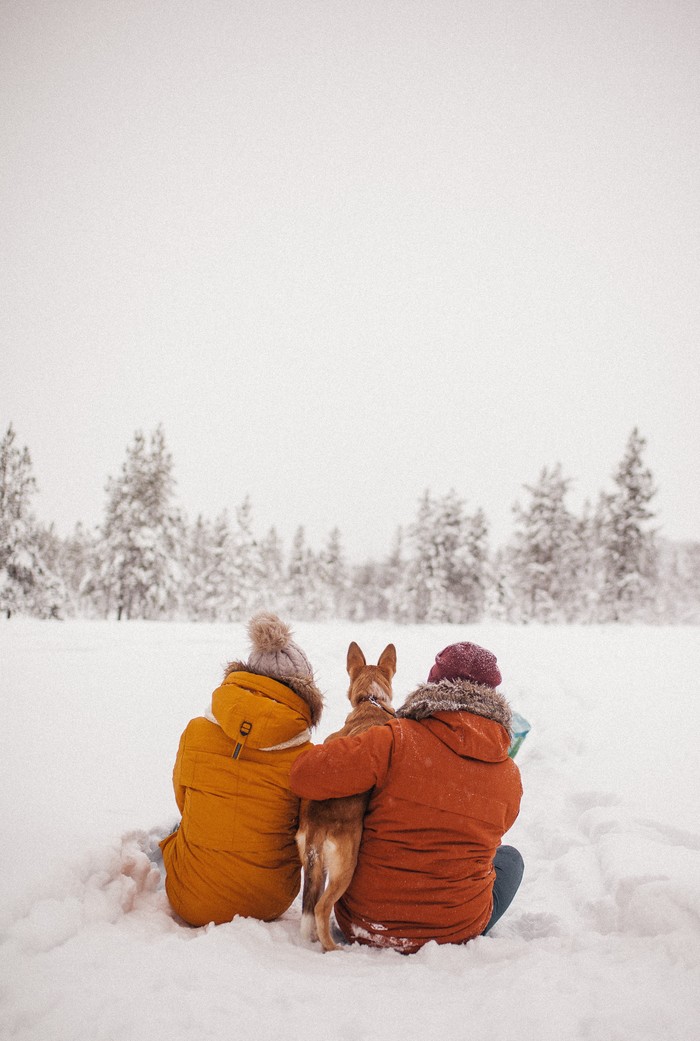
x=274, y=653
x=466, y=661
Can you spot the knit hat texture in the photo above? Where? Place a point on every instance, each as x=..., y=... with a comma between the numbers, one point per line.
x=274, y=653
x=466, y=661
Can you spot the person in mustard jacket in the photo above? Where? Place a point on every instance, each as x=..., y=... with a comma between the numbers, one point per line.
x=234, y=851
x=444, y=791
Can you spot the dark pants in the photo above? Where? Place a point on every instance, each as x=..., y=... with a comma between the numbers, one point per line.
x=509, y=868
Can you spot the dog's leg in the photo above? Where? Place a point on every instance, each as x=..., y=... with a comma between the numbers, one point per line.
x=314, y=881
x=340, y=856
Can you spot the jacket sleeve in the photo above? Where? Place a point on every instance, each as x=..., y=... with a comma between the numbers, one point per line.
x=177, y=785
x=344, y=766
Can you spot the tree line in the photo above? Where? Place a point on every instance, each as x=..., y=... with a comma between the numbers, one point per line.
x=147, y=560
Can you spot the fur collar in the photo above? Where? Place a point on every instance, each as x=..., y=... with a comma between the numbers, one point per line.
x=457, y=696
x=301, y=685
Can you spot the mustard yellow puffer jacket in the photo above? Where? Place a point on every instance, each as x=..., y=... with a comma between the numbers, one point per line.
x=234, y=852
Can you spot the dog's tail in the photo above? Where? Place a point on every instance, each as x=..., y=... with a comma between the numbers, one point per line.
x=314, y=884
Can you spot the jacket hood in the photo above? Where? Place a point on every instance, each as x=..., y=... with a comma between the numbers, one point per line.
x=302, y=686
x=472, y=719
x=273, y=714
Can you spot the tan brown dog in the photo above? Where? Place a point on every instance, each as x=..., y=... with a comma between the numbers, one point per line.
x=330, y=830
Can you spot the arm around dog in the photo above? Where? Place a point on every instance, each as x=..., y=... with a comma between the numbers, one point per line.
x=344, y=766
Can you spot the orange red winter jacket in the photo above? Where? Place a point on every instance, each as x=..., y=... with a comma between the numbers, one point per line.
x=234, y=852
x=444, y=792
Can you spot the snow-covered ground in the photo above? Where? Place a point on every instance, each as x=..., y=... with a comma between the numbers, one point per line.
x=602, y=942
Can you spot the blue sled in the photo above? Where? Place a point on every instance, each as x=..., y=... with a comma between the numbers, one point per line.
x=521, y=728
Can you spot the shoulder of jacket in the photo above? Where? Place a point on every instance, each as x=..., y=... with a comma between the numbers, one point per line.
x=201, y=731
x=384, y=736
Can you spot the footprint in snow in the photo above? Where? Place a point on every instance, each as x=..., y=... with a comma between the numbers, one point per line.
x=535, y=925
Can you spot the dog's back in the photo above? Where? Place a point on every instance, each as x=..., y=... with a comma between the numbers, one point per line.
x=330, y=829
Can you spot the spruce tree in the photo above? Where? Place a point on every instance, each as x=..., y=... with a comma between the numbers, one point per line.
x=207, y=570
x=49, y=597
x=444, y=576
x=500, y=600
x=141, y=535
x=167, y=531
x=195, y=563
x=678, y=597
x=629, y=548
x=246, y=566
x=477, y=578
x=422, y=589
x=585, y=567
x=541, y=557
x=26, y=583
x=272, y=591
x=367, y=596
x=302, y=579
x=449, y=561
x=393, y=603
x=332, y=577
x=219, y=578
x=460, y=562
x=77, y=567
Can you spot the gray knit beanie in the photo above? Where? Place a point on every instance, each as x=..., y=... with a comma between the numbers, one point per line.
x=274, y=654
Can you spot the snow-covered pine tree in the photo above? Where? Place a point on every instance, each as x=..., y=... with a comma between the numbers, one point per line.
x=366, y=597
x=168, y=528
x=449, y=561
x=302, y=579
x=207, y=570
x=196, y=561
x=219, y=584
x=272, y=591
x=76, y=567
x=542, y=551
x=500, y=600
x=444, y=577
x=586, y=564
x=422, y=585
x=141, y=535
x=17, y=485
x=460, y=563
x=119, y=549
x=246, y=566
x=26, y=583
x=678, y=598
x=332, y=578
x=392, y=603
x=49, y=597
x=629, y=546
x=477, y=578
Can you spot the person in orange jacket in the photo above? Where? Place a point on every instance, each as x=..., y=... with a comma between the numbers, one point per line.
x=443, y=793
x=234, y=851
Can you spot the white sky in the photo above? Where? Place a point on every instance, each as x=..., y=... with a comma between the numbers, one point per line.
x=345, y=251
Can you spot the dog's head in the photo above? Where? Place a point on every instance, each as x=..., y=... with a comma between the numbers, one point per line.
x=370, y=680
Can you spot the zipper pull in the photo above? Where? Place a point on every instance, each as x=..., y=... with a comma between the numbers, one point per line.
x=246, y=728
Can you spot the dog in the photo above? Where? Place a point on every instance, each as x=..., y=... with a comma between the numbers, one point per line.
x=330, y=830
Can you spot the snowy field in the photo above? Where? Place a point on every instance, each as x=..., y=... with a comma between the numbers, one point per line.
x=602, y=942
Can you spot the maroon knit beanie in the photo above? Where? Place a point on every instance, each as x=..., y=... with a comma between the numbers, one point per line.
x=466, y=661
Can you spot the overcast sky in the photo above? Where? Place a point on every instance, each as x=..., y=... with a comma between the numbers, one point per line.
x=344, y=251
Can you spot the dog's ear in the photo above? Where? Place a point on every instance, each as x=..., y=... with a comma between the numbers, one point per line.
x=356, y=660
x=387, y=661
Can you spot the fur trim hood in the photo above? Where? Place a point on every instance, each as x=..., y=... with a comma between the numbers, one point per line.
x=301, y=685
x=457, y=696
